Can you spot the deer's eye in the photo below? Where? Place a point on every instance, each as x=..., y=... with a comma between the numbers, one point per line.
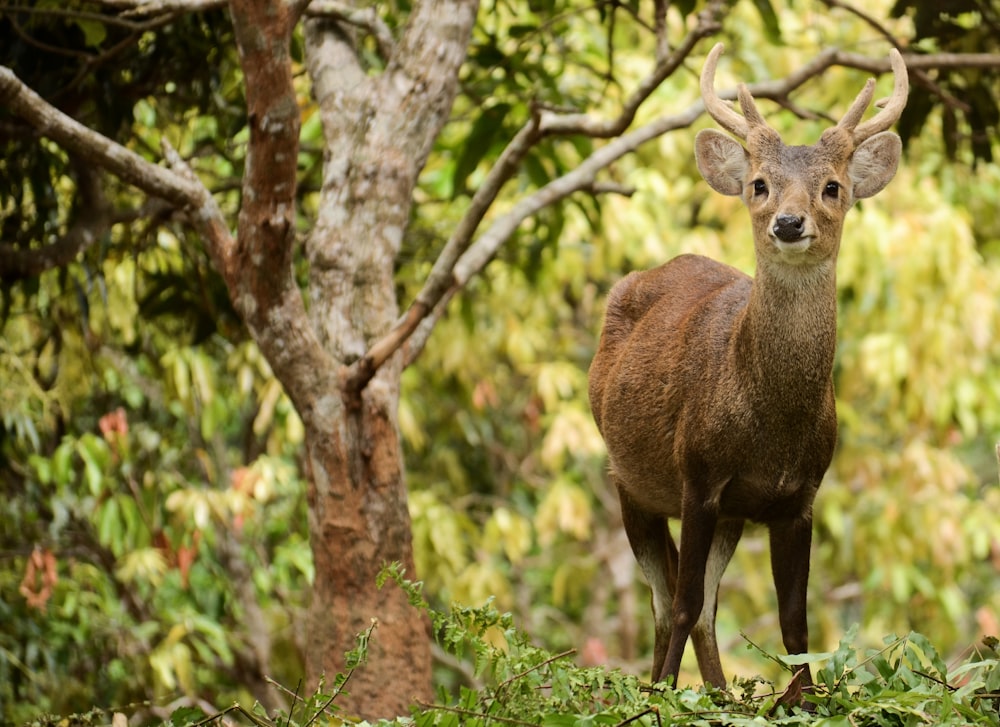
x=831, y=190
x=759, y=187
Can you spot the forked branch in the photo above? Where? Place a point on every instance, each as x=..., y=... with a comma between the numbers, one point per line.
x=445, y=278
x=365, y=18
x=709, y=23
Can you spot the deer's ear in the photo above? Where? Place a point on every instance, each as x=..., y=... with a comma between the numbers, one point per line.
x=722, y=161
x=874, y=164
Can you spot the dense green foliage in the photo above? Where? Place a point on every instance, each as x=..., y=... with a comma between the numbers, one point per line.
x=513, y=681
x=152, y=500
x=955, y=26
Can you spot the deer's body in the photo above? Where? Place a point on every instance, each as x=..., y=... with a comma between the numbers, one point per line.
x=663, y=410
x=713, y=391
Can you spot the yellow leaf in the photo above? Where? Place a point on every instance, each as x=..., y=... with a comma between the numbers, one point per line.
x=565, y=509
x=511, y=531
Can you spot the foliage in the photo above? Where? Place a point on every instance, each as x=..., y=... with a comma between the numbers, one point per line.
x=955, y=26
x=107, y=75
x=162, y=525
x=514, y=681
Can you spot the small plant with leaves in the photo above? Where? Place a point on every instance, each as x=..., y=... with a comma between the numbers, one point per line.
x=907, y=682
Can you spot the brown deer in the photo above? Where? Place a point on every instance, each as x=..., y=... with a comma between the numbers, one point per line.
x=714, y=391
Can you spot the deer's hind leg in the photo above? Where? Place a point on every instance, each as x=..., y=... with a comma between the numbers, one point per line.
x=656, y=554
x=703, y=636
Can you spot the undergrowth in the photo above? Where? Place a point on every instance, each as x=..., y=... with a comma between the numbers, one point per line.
x=904, y=683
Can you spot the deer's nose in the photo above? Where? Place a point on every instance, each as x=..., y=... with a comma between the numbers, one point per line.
x=788, y=228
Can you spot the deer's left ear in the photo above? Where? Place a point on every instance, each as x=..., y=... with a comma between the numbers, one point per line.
x=874, y=164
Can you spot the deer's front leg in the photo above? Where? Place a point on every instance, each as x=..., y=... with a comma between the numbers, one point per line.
x=790, y=550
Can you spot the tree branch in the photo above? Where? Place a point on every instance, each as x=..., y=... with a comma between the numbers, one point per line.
x=660, y=29
x=138, y=8
x=366, y=18
x=393, y=119
x=425, y=66
x=258, y=273
x=182, y=190
x=93, y=147
x=583, y=177
x=261, y=281
x=441, y=279
x=919, y=75
x=709, y=23
x=113, y=20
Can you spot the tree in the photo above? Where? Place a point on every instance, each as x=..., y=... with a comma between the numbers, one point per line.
x=325, y=312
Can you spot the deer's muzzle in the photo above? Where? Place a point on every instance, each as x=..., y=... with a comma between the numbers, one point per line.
x=788, y=228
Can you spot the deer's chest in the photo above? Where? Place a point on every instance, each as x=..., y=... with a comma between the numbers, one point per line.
x=770, y=469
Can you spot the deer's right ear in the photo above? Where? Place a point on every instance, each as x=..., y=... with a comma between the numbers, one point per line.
x=722, y=161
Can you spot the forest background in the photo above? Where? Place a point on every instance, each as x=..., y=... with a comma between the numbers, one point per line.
x=154, y=471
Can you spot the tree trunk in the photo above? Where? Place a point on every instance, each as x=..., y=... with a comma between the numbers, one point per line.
x=378, y=131
x=358, y=522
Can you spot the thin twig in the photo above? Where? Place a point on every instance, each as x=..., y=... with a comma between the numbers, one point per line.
x=295, y=698
x=709, y=22
x=75, y=15
x=472, y=713
x=870, y=659
x=635, y=718
x=237, y=707
x=510, y=680
x=759, y=649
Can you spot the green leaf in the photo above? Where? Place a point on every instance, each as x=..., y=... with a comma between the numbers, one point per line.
x=62, y=463
x=42, y=467
x=772, y=29
x=93, y=473
x=521, y=30
x=94, y=32
x=187, y=715
x=930, y=654
x=109, y=525
x=800, y=659
x=685, y=7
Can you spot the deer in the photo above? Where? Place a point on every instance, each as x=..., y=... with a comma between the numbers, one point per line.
x=713, y=391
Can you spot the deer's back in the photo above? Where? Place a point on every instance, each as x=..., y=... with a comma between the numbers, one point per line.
x=649, y=316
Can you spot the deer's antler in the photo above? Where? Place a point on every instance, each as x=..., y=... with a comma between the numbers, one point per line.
x=723, y=113
x=740, y=125
x=891, y=110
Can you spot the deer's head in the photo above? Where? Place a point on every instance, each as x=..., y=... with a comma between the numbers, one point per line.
x=798, y=195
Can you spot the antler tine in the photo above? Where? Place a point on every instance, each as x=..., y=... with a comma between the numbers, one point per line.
x=889, y=113
x=718, y=109
x=858, y=108
x=749, y=107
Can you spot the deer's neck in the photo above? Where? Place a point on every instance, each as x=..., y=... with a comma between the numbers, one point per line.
x=788, y=335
